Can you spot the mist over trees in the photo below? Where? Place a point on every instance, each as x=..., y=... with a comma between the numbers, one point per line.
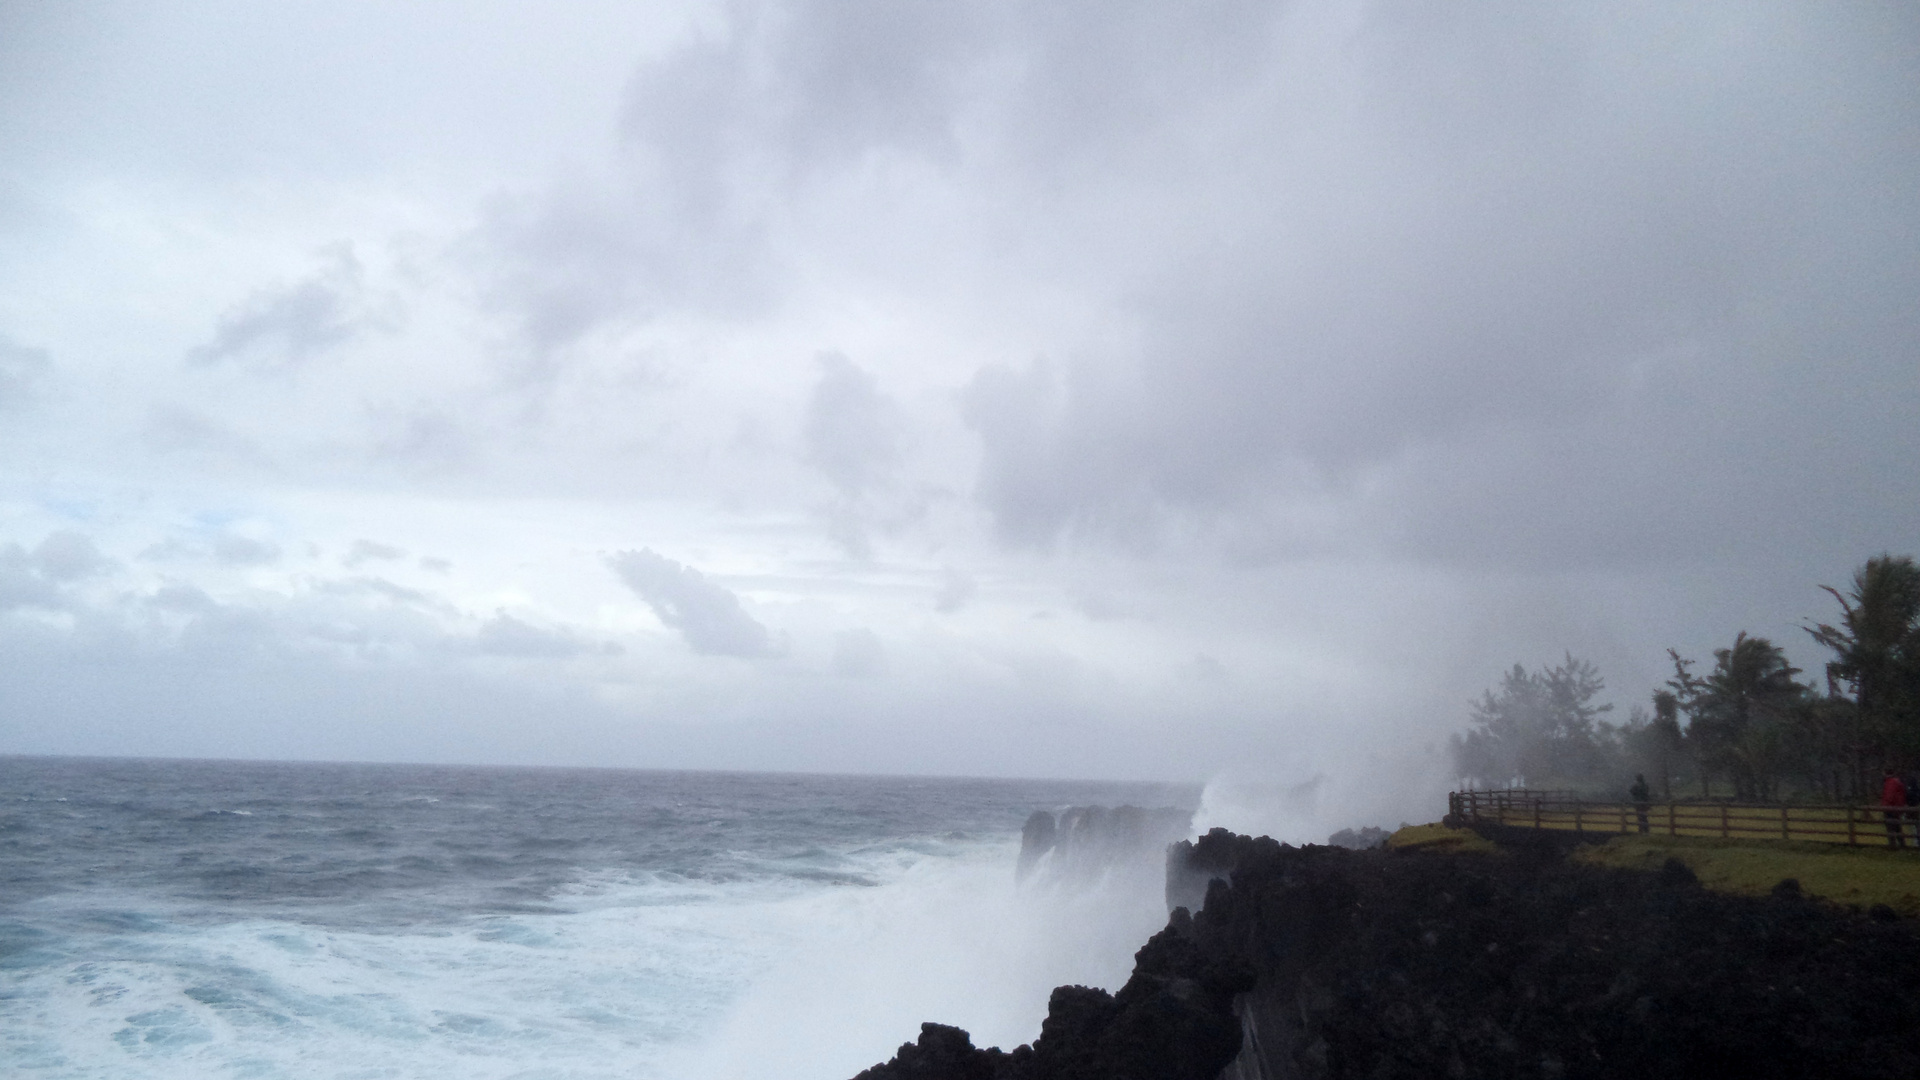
x=1539, y=723
x=1747, y=727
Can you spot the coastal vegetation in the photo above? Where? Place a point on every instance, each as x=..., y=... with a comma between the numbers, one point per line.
x=1859, y=877
x=1856, y=877
x=1747, y=728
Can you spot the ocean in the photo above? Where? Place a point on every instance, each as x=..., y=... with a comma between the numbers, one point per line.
x=207, y=919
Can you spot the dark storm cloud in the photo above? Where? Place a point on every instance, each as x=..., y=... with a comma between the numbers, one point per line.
x=1379, y=273
x=706, y=613
x=1579, y=283
x=289, y=325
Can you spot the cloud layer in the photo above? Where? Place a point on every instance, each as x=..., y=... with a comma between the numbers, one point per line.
x=1077, y=389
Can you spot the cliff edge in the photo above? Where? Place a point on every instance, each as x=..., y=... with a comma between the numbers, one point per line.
x=1319, y=962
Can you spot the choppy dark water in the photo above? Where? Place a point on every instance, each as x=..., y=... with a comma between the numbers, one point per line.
x=186, y=918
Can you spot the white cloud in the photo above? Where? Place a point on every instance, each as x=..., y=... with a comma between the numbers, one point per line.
x=291, y=324
x=504, y=635
x=706, y=613
x=1151, y=383
x=366, y=551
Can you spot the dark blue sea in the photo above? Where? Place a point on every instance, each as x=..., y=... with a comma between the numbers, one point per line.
x=203, y=919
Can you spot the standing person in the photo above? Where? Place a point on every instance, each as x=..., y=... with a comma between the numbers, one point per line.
x=1894, y=793
x=1641, y=796
x=1912, y=784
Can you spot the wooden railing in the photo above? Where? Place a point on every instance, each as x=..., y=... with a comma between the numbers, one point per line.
x=1831, y=824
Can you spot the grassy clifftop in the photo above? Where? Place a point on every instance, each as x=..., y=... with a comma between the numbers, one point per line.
x=1854, y=876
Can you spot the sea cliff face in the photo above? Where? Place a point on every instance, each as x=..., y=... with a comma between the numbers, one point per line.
x=1084, y=842
x=1322, y=962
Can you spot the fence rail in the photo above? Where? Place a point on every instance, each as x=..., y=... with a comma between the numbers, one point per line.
x=1831, y=824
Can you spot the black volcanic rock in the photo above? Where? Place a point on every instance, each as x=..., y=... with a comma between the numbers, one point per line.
x=1036, y=839
x=943, y=1053
x=1411, y=964
x=1321, y=962
x=1359, y=839
x=1172, y=1021
x=1194, y=865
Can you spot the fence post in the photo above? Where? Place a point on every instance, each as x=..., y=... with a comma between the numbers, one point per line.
x=1851, y=840
x=1723, y=821
x=1673, y=826
x=1623, y=818
x=1576, y=817
x=1784, y=834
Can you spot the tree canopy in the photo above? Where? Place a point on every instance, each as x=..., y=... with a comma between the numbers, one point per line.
x=1876, y=648
x=1540, y=728
x=1747, y=727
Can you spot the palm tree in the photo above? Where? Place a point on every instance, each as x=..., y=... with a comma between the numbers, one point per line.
x=1742, y=711
x=1876, y=651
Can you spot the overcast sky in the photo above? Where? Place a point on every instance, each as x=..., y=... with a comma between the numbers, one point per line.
x=1056, y=389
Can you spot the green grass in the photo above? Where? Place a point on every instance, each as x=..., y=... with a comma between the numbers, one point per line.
x=1851, y=876
x=1855, y=876
x=1440, y=838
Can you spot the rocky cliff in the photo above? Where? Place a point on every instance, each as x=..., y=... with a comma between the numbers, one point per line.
x=1084, y=842
x=1323, y=962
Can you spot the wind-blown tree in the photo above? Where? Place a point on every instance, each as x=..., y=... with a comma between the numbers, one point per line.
x=1654, y=745
x=1540, y=728
x=1682, y=691
x=1876, y=649
x=1744, y=715
x=1747, y=724
x=1822, y=752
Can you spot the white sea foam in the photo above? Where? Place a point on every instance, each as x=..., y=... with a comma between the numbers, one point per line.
x=596, y=993
x=655, y=926
x=642, y=977
x=1305, y=805
x=953, y=941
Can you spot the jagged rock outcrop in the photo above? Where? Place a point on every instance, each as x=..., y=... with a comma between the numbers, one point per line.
x=1413, y=964
x=1085, y=841
x=1321, y=962
x=1173, y=1020
x=1371, y=836
x=1037, y=838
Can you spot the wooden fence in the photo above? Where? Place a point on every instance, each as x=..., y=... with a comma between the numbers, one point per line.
x=1831, y=824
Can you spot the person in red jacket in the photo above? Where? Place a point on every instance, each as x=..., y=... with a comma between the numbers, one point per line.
x=1894, y=793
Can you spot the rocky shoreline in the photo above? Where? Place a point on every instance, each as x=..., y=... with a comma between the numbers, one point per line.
x=1316, y=962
